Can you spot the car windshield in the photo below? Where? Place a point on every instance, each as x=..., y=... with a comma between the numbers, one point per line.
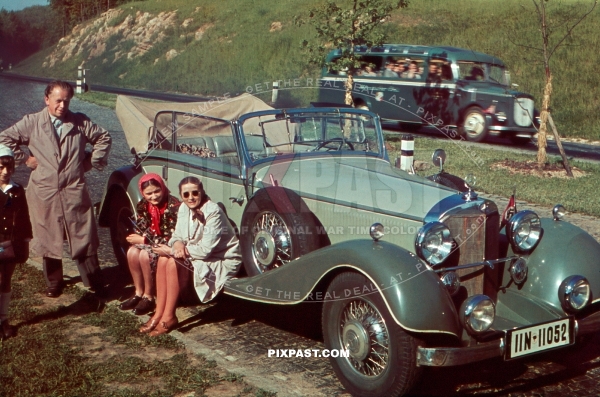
x=282, y=133
x=479, y=71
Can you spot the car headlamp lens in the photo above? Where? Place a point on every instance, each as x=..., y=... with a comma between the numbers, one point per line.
x=433, y=243
x=524, y=231
x=574, y=293
x=477, y=313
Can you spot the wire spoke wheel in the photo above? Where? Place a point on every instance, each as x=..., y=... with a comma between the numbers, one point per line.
x=380, y=357
x=365, y=335
x=271, y=241
x=277, y=227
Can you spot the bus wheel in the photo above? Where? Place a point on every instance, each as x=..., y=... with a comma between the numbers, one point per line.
x=473, y=125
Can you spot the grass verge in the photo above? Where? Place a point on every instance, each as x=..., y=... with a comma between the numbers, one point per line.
x=577, y=195
x=99, y=98
x=68, y=347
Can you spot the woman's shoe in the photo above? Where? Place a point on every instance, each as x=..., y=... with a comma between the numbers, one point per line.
x=130, y=303
x=165, y=327
x=149, y=326
x=144, y=307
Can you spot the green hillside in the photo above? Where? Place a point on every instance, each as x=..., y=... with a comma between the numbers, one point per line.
x=231, y=46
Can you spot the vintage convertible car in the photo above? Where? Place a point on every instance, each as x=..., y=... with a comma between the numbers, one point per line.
x=409, y=273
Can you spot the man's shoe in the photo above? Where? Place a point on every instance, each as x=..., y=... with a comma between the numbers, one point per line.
x=53, y=292
x=6, y=330
x=130, y=303
x=144, y=307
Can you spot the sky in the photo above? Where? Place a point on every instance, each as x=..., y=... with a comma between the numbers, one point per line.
x=15, y=5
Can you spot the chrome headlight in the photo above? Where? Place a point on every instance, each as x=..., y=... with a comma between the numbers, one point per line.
x=574, y=293
x=433, y=243
x=477, y=314
x=524, y=231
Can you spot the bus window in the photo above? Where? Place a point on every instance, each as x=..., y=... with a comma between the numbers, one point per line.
x=438, y=70
x=413, y=69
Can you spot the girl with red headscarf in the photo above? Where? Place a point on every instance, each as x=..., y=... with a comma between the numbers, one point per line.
x=156, y=219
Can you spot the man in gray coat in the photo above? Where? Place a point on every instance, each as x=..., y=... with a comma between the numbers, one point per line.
x=59, y=201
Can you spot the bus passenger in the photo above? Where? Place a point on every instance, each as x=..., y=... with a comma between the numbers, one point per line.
x=412, y=72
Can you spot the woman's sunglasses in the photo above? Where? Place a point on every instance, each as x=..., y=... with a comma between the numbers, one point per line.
x=195, y=193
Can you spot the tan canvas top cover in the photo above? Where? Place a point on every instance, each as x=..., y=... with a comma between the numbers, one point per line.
x=137, y=116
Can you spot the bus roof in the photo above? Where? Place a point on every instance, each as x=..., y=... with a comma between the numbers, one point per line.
x=442, y=52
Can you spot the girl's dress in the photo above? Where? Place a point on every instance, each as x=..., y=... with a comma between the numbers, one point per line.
x=168, y=220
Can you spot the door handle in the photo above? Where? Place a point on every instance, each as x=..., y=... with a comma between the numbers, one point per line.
x=237, y=200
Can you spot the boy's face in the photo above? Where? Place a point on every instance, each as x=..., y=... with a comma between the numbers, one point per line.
x=5, y=174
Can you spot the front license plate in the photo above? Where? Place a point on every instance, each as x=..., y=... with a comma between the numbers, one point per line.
x=538, y=338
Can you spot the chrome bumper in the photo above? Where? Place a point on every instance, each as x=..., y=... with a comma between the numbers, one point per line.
x=588, y=325
x=450, y=356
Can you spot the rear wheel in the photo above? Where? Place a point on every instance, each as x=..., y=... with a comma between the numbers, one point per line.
x=120, y=226
x=277, y=227
x=382, y=356
x=473, y=126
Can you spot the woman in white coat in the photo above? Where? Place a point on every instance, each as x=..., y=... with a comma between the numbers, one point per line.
x=204, y=246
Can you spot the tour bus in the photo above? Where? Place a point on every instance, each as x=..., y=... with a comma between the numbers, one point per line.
x=447, y=87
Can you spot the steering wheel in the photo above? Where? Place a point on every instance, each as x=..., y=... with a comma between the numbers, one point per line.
x=341, y=141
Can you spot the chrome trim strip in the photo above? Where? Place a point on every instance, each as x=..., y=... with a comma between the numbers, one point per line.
x=392, y=81
x=455, y=201
x=450, y=356
x=512, y=129
x=230, y=291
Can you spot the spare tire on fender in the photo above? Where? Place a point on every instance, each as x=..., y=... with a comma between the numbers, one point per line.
x=277, y=227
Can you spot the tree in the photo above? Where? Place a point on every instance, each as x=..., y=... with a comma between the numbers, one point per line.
x=344, y=28
x=565, y=23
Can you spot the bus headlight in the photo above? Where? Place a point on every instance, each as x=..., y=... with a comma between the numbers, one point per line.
x=574, y=293
x=477, y=314
x=524, y=231
x=433, y=243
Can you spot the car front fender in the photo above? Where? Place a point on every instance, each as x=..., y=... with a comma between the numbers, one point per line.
x=414, y=295
x=563, y=251
x=123, y=179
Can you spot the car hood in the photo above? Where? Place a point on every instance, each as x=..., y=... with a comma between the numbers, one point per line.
x=361, y=182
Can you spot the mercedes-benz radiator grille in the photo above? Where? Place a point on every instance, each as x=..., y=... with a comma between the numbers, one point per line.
x=476, y=235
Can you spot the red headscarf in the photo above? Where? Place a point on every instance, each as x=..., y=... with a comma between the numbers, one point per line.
x=156, y=211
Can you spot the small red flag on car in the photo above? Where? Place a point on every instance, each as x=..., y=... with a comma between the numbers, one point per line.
x=509, y=211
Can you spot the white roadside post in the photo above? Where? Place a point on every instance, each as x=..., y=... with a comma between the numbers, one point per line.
x=407, y=150
x=275, y=92
x=80, y=80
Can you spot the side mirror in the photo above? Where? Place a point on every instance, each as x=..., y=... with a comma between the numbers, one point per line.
x=439, y=158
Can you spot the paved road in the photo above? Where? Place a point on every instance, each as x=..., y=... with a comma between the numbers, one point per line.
x=575, y=151
x=237, y=334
